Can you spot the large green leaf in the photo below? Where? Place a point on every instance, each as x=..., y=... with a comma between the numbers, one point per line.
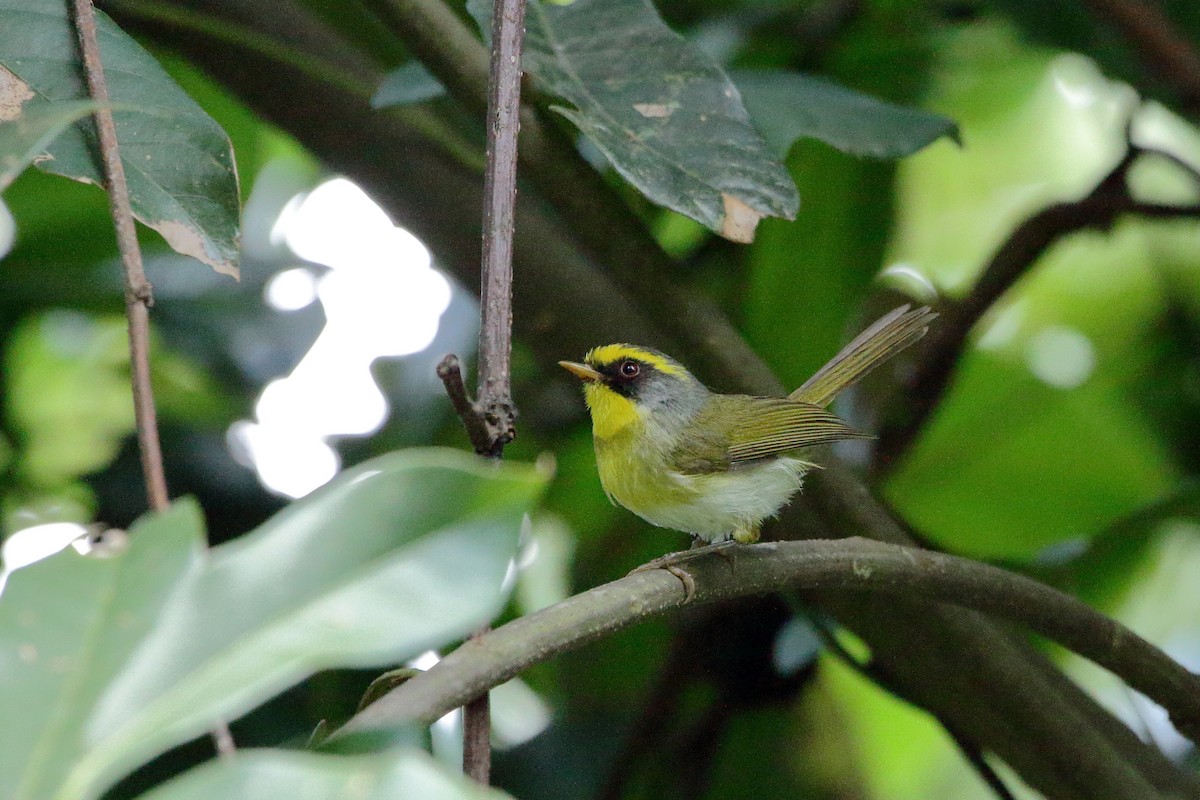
x=178, y=161
x=787, y=106
x=666, y=117
x=108, y=662
x=283, y=775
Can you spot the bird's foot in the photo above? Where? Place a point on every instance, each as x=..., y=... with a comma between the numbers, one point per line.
x=672, y=562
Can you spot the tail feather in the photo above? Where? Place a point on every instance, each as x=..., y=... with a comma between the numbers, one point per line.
x=886, y=337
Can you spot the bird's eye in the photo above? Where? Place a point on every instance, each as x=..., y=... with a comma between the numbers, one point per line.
x=630, y=369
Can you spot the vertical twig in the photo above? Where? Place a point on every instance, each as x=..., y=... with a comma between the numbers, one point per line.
x=139, y=294
x=490, y=421
x=499, y=201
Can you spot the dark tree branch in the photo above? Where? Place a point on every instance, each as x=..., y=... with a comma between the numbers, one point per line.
x=139, y=295
x=1163, y=49
x=844, y=565
x=1098, y=210
x=971, y=751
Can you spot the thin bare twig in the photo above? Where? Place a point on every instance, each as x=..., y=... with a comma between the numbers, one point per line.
x=500, y=199
x=139, y=295
x=490, y=421
x=450, y=371
x=138, y=292
x=1098, y=210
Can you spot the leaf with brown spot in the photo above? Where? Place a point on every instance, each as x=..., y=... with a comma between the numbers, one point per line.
x=178, y=161
x=14, y=93
x=740, y=220
x=664, y=114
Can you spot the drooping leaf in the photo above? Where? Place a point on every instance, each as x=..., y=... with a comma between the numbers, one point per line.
x=410, y=83
x=666, y=117
x=787, y=106
x=285, y=775
x=178, y=161
x=108, y=662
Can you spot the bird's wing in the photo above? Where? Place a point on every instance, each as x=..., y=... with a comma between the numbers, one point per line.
x=889, y=335
x=769, y=426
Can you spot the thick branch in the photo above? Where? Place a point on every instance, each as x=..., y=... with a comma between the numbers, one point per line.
x=845, y=565
x=138, y=293
x=947, y=341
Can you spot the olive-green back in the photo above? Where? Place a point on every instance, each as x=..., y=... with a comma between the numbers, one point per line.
x=735, y=428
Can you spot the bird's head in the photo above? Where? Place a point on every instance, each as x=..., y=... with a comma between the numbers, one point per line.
x=627, y=384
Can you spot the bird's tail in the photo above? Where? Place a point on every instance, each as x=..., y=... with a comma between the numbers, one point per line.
x=885, y=338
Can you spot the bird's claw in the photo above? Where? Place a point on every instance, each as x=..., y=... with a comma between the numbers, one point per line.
x=685, y=577
x=672, y=563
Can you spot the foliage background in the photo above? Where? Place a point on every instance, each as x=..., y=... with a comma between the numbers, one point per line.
x=1066, y=448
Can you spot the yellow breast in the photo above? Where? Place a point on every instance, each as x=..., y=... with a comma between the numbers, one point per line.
x=611, y=413
x=631, y=461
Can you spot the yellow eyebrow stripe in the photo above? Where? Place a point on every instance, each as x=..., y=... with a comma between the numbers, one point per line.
x=612, y=353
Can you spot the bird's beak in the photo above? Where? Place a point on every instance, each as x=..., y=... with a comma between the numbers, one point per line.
x=581, y=371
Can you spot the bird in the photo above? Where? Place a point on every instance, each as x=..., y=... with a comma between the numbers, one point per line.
x=714, y=465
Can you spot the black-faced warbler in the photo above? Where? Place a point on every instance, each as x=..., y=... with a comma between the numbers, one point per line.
x=716, y=465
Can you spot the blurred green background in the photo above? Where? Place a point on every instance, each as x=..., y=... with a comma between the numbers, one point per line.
x=1067, y=447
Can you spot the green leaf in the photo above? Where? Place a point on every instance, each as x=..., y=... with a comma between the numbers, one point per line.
x=109, y=662
x=277, y=774
x=787, y=106
x=26, y=138
x=411, y=83
x=67, y=626
x=666, y=117
x=178, y=161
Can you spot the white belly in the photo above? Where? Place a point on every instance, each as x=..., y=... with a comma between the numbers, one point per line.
x=726, y=501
